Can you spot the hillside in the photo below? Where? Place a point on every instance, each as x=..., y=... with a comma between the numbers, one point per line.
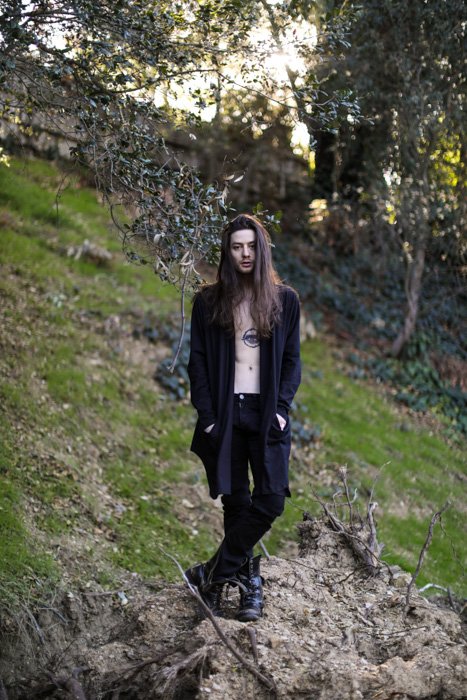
x=94, y=462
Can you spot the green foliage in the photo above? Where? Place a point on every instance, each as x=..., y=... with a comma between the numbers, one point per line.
x=407, y=60
x=397, y=177
x=103, y=88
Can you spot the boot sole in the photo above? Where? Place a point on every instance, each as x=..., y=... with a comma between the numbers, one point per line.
x=249, y=615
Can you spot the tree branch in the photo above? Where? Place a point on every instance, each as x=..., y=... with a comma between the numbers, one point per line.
x=429, y=537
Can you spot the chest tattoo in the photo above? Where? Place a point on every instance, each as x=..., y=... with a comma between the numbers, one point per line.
x=251, y=338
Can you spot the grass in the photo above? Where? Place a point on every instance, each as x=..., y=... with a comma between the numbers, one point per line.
x=95, y=457
x=413, y=471
x=23, y=561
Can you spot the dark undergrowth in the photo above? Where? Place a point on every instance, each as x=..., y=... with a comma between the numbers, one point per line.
x=361, y=298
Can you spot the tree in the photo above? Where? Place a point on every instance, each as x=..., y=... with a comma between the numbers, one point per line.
x=93, y=69
x=406, y=63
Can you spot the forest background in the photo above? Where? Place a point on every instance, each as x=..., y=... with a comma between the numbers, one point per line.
x=342, y=125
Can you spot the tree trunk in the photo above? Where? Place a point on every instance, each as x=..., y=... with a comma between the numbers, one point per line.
x=413, y=286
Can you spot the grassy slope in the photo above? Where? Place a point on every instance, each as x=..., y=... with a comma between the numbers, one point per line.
x=94, y=463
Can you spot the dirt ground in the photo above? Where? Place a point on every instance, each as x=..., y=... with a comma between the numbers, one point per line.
x=329, y=632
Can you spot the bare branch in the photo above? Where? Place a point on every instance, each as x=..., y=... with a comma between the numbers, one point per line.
x=427, y=586
x=252, y=634
x=343, y=476
x=265, y=551
x=188, y=269
x=429, y=537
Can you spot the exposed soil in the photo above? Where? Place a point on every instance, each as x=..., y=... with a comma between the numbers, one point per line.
x=328, y=632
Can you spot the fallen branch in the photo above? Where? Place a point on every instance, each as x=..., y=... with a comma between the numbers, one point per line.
x=268, y=682
x=429, y=537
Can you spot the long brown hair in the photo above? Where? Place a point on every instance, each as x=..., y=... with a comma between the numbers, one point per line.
x=226, y=294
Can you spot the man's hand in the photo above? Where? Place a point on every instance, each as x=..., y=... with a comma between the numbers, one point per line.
x=281, y=420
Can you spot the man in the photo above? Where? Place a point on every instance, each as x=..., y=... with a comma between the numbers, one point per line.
x=244, y=371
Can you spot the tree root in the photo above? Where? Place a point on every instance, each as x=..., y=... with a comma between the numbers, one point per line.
x=167, y=679
x=359, y=534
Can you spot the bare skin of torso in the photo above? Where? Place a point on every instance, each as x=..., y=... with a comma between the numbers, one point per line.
x=247, y=355
x=246, y=352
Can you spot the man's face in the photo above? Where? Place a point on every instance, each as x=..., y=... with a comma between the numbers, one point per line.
x=243, y=250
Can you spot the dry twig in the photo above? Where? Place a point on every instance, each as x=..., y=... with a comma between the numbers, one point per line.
x=373, y=540
x=252, y=635
x=265, y=551
x=343, y=476
x=130, y=671
x=429, y=537
x=366, y=548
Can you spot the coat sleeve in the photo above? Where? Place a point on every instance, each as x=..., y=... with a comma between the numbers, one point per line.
x=291, y=367
x=201, y=397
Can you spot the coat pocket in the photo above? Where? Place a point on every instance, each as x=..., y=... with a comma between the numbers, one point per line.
x=276, y=434
x=213, y=436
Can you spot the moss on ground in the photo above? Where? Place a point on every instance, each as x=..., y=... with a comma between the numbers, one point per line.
x=94, y=459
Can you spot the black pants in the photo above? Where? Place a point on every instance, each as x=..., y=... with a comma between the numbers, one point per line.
x=247, y=515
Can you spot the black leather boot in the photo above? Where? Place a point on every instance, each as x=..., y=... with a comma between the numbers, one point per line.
x=210, y=588
x=251, y=599
x=211, y=593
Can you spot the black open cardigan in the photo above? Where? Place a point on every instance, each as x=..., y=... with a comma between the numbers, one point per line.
x=211, y=369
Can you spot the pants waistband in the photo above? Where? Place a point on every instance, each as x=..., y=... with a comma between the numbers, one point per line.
x=252, y=398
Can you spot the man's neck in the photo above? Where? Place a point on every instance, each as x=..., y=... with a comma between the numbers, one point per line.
x=246, y=291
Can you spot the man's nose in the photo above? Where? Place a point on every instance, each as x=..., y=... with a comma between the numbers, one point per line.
x=246, y=252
